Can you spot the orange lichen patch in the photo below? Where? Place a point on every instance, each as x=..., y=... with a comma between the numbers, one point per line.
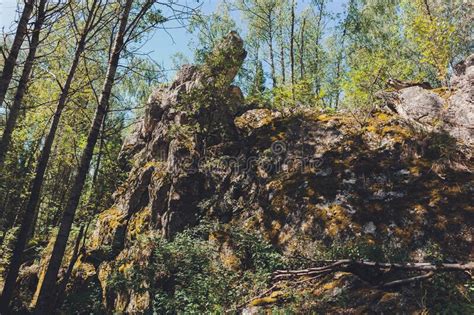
x=389, y=296
x=454, y=189
x=275, y=226
x=414, y=170
x=421, y=162
x=441, y=223
x=404, y=234
x=274, y=231
x=279, y=204
x=443, y=92
x=113, y=217
x=279, y=136
x=256, y=118
x=397, y=132
x=337, y=281
x=325, y=117
x=273, y=298
x=230, y=260
x=123, y=268
x=435, y=197
x=219, y=236
x=371, y=128
x=337, y=220
x=383, y=117
x=419, y=210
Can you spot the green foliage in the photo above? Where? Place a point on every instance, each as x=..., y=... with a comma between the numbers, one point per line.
x=209, y=30
x=88, y=299
x=258, y=84
x=358, y=249
x=6, y=247
x=433, y=35
x=446, y=296
x=193, y=276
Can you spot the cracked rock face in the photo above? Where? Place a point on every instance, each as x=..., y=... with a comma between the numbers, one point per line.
x=434, y=110
x=182, y=121
x=296, y=179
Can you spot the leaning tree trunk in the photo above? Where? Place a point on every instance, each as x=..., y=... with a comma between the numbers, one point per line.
x=75, y=255
x=35, y=191
x=10, y=62
x=46, y=290
x=22, y=84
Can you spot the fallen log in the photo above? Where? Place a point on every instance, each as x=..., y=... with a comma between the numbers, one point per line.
x=350, y=265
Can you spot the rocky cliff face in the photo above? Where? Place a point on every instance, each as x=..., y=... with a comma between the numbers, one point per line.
x=302, y=180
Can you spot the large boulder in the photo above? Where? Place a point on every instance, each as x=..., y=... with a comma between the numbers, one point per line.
x=445, y=109
x=459, y=114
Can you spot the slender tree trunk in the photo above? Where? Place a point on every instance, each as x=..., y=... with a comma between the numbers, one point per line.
x=99, y=154
x=338, y=76
x=292, y=47
x=35, y=191
x=272, y=61
x=270, y=47
x=341, y=56
x=22, y=84
x=10, y=62
x=47, y=288
x=292, y=50
x=303, y=25
x=282, y=57
x=75, y=254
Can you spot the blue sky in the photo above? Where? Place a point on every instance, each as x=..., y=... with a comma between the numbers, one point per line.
x=161, y=46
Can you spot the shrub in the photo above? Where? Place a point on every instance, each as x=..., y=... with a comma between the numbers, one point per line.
x=188, y=274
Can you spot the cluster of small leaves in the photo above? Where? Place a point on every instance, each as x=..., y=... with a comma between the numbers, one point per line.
x=89, y=299
x=360, y=249
x=447, y=296
x=191, y=277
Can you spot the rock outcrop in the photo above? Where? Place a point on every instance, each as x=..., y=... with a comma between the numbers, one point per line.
x=451, y=110
x=183, y=121
x=300, y=180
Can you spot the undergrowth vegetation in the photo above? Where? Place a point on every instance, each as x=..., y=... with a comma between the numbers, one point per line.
x=190, y=275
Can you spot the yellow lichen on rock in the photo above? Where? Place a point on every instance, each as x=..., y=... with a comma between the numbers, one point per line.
x=337, y=219
x=256, y=118
x=138, y=223
x=273, y=298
